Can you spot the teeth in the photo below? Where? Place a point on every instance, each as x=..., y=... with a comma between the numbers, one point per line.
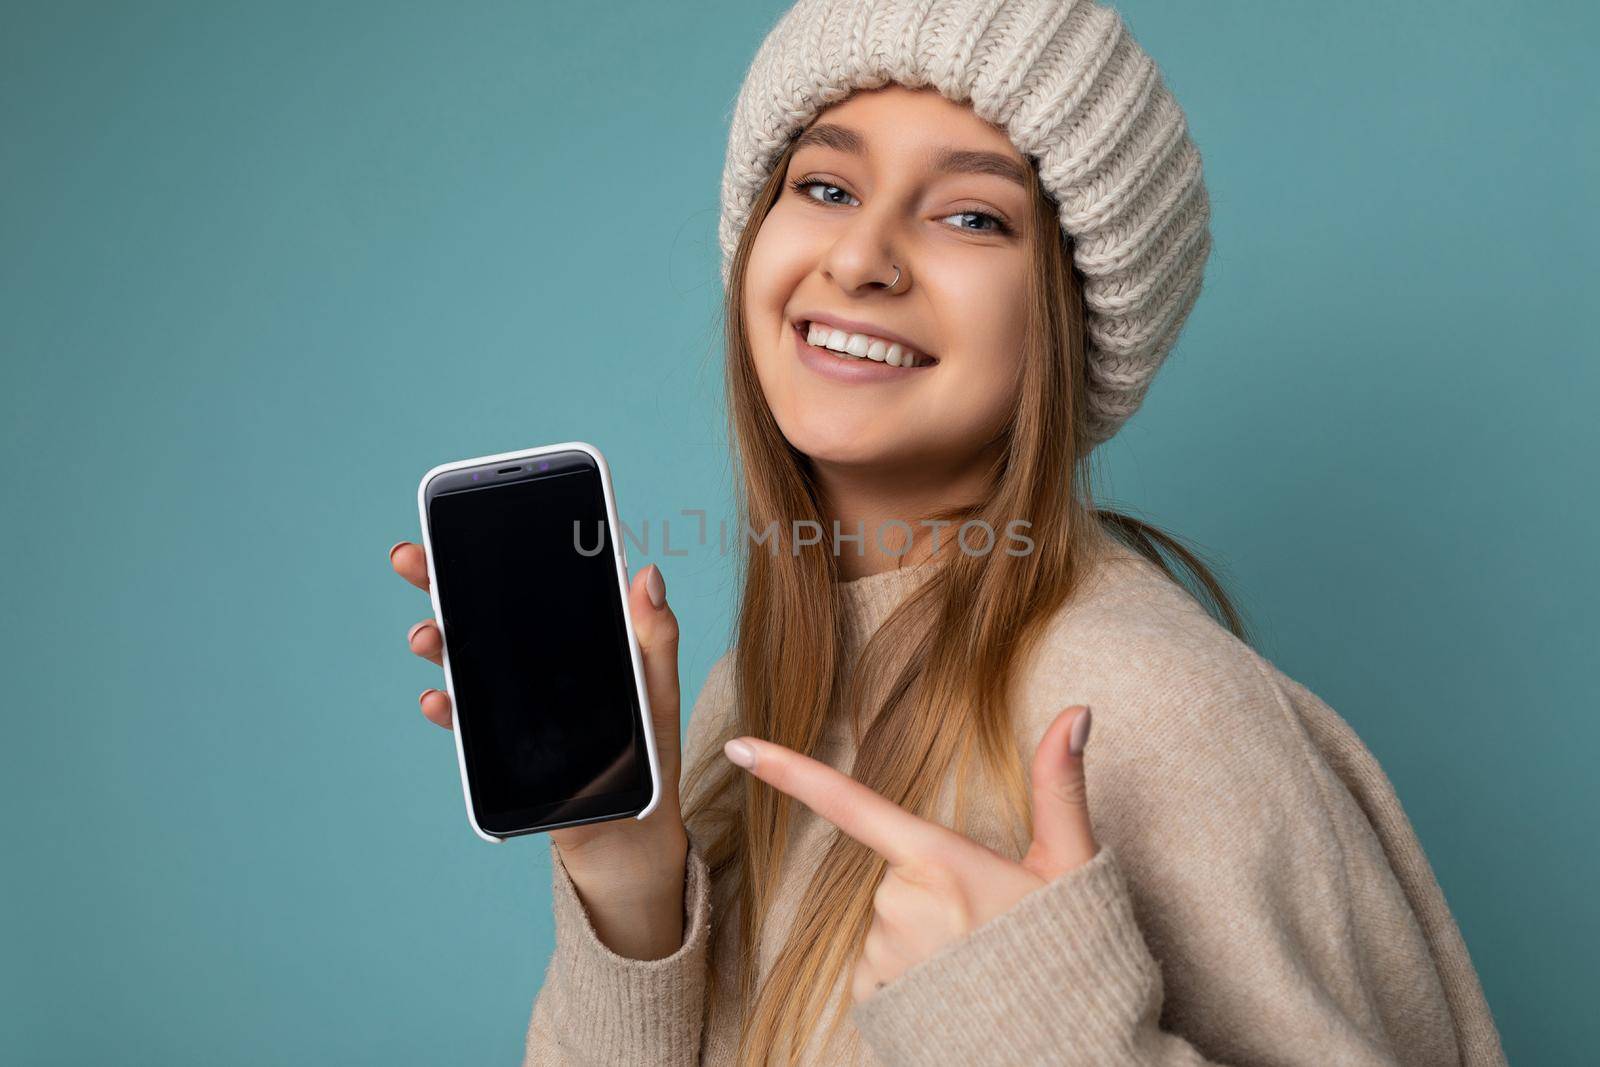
x=861, y=346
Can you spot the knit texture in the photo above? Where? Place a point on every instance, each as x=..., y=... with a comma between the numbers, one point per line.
x=1075, y=93
x=1259, y=895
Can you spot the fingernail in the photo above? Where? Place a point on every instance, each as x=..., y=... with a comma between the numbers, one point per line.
x=740, y=753
x=1080, y=734
x=655, y=586
x=412, y=633
x=424, y=694
x=397, y=544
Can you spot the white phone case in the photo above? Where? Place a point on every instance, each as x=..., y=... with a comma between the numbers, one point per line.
x=619, y=553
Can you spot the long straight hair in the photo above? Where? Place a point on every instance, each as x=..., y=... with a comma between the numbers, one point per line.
x=938, y=668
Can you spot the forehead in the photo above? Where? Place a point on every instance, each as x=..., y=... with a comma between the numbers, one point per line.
x=909, y=122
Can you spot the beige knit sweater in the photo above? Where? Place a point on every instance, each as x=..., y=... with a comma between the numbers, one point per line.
x=1259, y=896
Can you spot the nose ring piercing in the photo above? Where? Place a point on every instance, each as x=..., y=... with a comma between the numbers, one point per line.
x=896, y=279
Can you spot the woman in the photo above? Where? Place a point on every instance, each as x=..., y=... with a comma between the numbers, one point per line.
x=959, y=239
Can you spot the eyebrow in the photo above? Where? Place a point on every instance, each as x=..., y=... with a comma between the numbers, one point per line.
x=946, y=159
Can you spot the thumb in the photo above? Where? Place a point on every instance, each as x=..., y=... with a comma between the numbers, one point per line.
x=657, y=628
x=1063, y=838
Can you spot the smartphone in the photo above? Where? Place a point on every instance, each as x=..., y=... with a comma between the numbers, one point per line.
x=529, y=581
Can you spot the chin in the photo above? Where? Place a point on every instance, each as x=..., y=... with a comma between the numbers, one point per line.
x=843, y=450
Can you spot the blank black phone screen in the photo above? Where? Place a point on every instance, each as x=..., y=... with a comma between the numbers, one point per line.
x=537, y=644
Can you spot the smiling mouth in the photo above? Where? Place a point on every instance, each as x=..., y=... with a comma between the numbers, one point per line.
x=869, y=349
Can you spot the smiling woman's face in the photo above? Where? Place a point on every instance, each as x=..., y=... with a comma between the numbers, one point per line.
x=880, y=198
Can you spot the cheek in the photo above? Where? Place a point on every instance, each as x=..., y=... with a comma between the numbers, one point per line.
x=974, y=400
x=986, y=327
x=775, y=270
x=778, y=263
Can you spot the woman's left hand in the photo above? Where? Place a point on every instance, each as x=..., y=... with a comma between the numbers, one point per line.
x=940, y=886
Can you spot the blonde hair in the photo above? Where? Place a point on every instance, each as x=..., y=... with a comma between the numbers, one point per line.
x=959, y=637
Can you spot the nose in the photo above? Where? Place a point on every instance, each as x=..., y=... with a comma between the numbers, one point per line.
x=864, y=256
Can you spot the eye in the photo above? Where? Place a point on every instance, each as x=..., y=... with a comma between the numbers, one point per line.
x=998, y=227
x=804, y=186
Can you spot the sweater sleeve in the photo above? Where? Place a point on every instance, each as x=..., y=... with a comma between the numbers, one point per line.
x=1240, y=909
x=1062, y=977
x=598, y=1009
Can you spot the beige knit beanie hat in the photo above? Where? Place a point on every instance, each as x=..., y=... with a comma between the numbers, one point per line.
x=1075, y=93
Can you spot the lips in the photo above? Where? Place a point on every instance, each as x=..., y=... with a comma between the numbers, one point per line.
x=847, y=370
x=835, y=322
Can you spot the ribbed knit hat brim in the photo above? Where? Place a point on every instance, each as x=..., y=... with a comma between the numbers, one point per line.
x=1074, y=92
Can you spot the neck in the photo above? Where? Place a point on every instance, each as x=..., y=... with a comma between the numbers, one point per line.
x=891, y=509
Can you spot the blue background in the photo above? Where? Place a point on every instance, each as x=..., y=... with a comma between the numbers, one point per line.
x=263, y=265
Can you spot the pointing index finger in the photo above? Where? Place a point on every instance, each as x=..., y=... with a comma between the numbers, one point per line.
x=880, y=824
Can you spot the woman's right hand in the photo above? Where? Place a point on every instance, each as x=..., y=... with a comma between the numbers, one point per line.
x=629, y=872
